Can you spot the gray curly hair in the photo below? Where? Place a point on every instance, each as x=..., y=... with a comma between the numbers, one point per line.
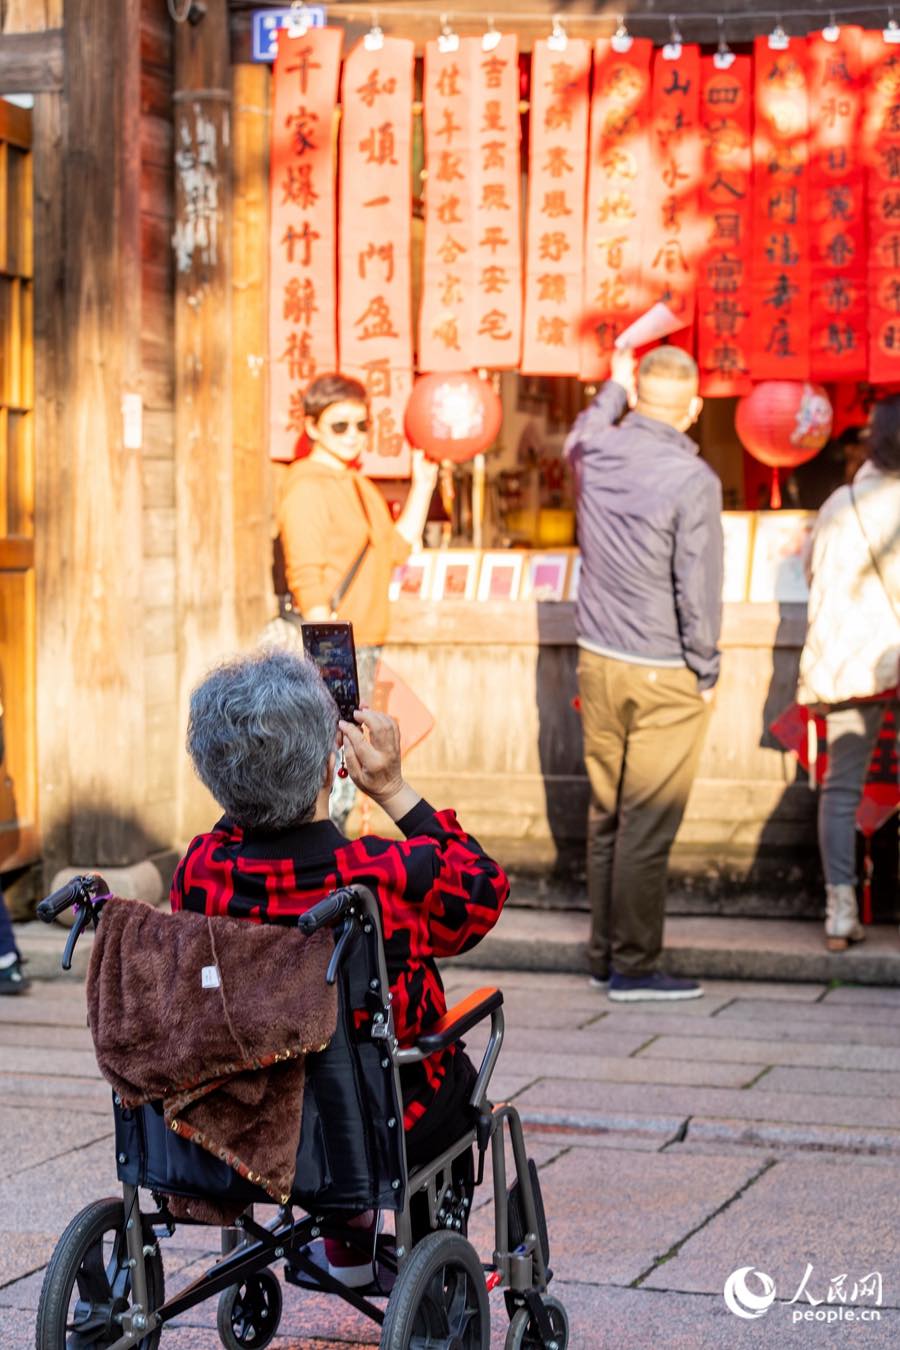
x=260, y=731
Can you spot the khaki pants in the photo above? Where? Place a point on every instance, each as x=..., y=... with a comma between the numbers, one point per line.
x=643, y=729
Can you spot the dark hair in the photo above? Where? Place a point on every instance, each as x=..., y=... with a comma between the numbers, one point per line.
x=884, y=434
x=328, y=389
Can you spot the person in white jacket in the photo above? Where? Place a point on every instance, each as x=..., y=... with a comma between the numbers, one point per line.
x=849, y=664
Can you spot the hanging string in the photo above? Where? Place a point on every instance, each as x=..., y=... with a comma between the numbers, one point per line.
x=544, y=19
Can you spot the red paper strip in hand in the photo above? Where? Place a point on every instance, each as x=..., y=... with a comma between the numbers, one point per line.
x=302, y=300
x=497, y=339
x=838, y=337
x=723, y=314
x=375, y=319
x=618, y=173
x=673, y=241
x=782, y=275
x=554, y=268
x=881, y=149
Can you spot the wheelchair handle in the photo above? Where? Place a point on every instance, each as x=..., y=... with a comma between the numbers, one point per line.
x=327, y=912
x=79, y=891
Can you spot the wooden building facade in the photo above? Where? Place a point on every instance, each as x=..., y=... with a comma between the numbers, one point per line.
x=136, y=493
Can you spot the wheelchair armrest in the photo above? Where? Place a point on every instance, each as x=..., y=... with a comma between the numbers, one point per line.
x=459, y=1019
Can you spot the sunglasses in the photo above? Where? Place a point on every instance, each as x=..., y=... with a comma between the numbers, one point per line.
x=341, y=428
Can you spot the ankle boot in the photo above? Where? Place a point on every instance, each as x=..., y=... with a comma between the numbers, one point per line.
x=842, y=925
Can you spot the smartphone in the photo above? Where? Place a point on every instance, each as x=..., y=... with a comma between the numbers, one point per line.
x=330, y=646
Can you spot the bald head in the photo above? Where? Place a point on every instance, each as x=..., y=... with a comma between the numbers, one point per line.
x=667, y=385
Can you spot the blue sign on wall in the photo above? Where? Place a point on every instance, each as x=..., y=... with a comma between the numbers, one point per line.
x=266, y=23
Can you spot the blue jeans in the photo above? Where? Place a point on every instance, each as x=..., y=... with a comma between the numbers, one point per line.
x=7, y=941
x=852, y=731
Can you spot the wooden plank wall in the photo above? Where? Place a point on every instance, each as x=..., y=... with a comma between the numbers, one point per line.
x=163, y=734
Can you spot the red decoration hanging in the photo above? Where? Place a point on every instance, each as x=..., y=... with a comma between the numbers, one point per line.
x=783, y=423
x=453, y=416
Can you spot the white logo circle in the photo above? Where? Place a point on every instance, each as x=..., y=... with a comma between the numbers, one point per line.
x=741, y=1301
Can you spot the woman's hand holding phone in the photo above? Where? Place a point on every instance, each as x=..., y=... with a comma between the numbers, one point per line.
x=373, y=761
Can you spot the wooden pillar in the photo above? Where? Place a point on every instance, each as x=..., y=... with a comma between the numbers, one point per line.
x=205, y=521
x=53, y=489
x=100, y=547
x=253, y=490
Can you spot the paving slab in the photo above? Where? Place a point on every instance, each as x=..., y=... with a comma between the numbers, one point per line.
x=854, y=995
x=838, y=1016
x=588, y=1101
x=56, y=1094
x=827, y=1054
x=610, y=1221
x=23, y=1254
x=45, y=1197
x=611, y=1069
x=769, y=1135
x=29, y=1137
x=836, y=1216
x=662, y=1021
x=41, y=1037
x=65, y=1063
x=854, y=1082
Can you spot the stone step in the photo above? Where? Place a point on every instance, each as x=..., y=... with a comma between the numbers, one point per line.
x=554, y=940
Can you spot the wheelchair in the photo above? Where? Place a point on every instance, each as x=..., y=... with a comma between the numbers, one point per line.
x=104, y=1285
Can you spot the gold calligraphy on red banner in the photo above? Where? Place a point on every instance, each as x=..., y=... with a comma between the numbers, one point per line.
x=781, y=275
x=617, y=183
x=554, y=269
x=838, y=310
x=723, y=312
x=302, y=249
x=673, y=240
x=881, y=143
x=497, y=339
x=375, y=320
x=449, y=282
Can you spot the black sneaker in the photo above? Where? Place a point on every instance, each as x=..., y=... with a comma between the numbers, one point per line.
x=636, y=988
x=12, y=981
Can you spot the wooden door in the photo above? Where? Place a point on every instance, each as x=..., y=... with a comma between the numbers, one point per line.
x=18, y=778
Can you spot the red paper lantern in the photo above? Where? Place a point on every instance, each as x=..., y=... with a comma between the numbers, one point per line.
x=783, y=423
x=453, y=416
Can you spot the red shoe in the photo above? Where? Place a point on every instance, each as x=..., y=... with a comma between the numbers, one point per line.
x=349, y=1264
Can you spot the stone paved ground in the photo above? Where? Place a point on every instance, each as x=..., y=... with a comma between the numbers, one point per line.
x=758, y=1127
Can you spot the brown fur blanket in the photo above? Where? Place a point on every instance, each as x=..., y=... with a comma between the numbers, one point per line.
x=212, y=1016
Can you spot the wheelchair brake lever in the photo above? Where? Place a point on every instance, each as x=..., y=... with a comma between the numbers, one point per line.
x=340, y=947
x=82, y=919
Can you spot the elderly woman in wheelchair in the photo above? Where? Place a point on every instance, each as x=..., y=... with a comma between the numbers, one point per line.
x=394, y=1115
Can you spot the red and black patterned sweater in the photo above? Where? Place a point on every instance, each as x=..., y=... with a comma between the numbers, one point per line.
x=439, y=894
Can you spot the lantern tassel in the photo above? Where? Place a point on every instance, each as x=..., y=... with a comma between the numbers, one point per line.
x=775, y=498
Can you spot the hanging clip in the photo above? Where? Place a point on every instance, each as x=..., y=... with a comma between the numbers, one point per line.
x=778, y=38
x=491, y=39
x=891, y=34
x=448, y=41
x=724, y=56
x=621, y=39
x=298, y=24
x=374, y=39
x=831, y=33
x=672, y=50
x=558, y=39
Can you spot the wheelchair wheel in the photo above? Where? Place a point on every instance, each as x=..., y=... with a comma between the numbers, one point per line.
x=88, y=1282
x=249, y=1313
x=440, y=1300
x=523, y=1333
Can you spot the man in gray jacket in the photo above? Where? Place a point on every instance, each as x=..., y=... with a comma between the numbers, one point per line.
x=648, y=619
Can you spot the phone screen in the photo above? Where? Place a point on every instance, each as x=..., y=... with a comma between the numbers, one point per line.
x=330, y=646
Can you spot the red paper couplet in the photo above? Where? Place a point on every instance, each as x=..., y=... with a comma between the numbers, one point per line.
x=554, y=268
x=781, y=274
x=449, y=289
x=723, y=317
x=838, y=339
x=881, y=139
x=497, y=339
x=673, y=239
x=302, y=245
x=375, y=318
x=617, y=185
